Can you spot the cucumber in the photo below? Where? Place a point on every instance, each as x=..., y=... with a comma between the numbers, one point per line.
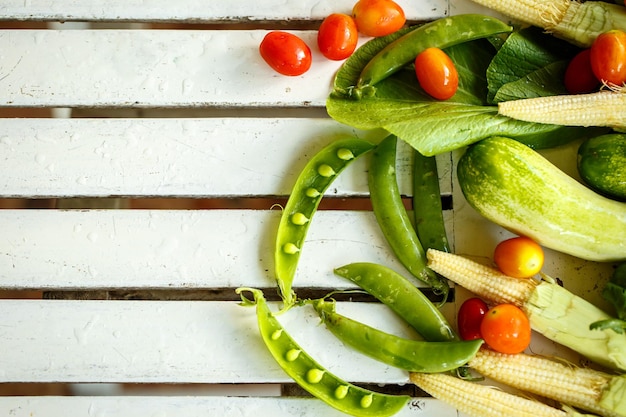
x=517, y=188
x=602, y=164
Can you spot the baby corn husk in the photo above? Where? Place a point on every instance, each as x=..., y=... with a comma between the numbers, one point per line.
x=605, y=108
x=551, y=309
x=584, y=388
x=577, y=22
x=481, y=400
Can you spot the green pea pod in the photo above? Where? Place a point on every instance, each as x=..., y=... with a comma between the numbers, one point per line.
x=407, y=354
x=303, y=202
x=393, y=218
x=404, y=298
x=311, y=376
x=427, y=209
x=440, y=33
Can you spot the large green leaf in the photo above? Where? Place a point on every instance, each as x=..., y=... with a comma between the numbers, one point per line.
x=401, y=107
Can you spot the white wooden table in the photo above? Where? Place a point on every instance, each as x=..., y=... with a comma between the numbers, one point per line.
x=146, y=296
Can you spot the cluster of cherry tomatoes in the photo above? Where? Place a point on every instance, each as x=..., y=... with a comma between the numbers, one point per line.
x=505, y=328
x=337, y=39
x=337, y=36
x=603, y=62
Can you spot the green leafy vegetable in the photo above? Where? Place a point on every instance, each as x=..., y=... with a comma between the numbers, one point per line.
x=615, y=293
x=529, y=64
x=402, y=108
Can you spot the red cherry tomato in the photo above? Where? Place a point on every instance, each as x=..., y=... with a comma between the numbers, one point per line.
x=286, y=53
x=337, y=36
x=470, y=317
x=519, y=257
x=579, y=77
x=506, y=329
x=436, y=73
x=378, y=17
x=608, y=57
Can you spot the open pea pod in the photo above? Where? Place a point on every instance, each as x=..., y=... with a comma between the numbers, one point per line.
x=315, y=178
x=311, y=376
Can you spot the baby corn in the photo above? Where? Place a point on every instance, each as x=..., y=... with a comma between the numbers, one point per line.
x=575, y=21
x=604, y=108
x=480, y=400
x=584, y=388
x=551, y=309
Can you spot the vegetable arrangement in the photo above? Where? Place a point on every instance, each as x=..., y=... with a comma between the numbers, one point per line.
x=474, y=83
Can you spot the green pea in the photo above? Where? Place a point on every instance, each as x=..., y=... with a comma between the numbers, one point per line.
x=292, y=355
x=407, y=354
x=299, y=219
x=440, y=33
x=427, y=209
x=404, y=298
x=317, y=175
x=311, y=376
x=393, y=218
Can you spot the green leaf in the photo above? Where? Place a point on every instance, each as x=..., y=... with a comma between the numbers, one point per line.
x=401, y=107
x=615, y=291
x=529, y=64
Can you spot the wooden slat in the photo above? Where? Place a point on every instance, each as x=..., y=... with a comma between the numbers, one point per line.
x=208, y=157
x=194, y=406
x=152, y=68
x=48, y=249
x=172, y=342
x=198, y=11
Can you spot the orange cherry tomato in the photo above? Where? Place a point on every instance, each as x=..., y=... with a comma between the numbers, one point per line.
x=378, y=17
x=436, y=73
x=506, y=329
x=608, y=57
x=519, y=257
x=579, y=77
x=337, y=36
x=286, y=53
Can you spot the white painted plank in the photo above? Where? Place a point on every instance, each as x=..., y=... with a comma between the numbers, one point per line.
x=152, y=68
x=178, y=248
x=199, y=11
x=192, y=406
x=177, y=157
x=172, y=342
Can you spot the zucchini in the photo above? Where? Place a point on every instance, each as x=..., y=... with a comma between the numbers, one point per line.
x=602, y=164
x=515, y=187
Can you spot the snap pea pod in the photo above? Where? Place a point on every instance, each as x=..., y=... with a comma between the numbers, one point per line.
x=310, y=375
x=427, y=208
x=440, y=33
x=393, y=218
x=407, y=354
x=404, y=298
x=317, y=175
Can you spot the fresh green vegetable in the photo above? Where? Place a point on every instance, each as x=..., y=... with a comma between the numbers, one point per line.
x=615, y=293
x=578, y=22
x=551, y=309
x=427, y=208
x=407, y=354
x=440, y=33
x=319, y=172
x=310, y=375
x=540, y=72
x=515, y=187
x=393, y=218
x=399, y=294
x=431, y=126
x=602, y=164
